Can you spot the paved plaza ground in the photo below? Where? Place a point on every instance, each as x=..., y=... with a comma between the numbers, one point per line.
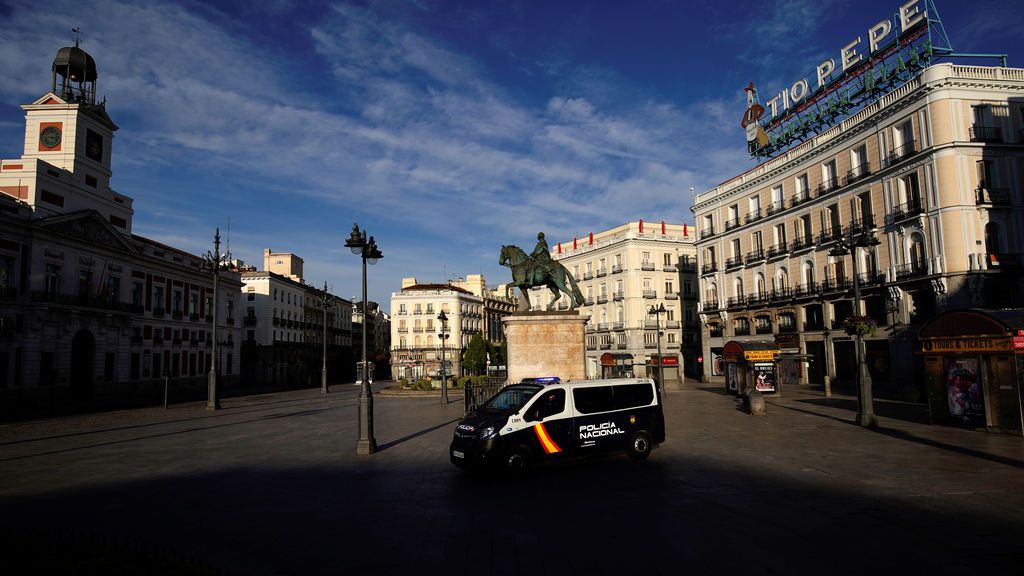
x=272, y=485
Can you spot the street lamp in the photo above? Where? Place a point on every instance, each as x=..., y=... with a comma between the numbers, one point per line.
x=443, y=318
x=657, y=312
x=367, y=250
x=325, y=301
x=213, y=262
x=865, y=402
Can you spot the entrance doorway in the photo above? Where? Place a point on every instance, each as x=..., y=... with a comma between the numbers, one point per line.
x=83, y=355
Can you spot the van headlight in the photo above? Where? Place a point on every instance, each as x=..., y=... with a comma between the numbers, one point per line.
x=487, y=433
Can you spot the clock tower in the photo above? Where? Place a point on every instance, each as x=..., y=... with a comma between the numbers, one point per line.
x=65, y=166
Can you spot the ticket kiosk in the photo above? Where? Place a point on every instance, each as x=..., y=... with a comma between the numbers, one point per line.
x=751, y=365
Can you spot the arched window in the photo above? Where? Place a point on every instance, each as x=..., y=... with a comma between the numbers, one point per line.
x=620, y=315
x=430, y=341
x=737, y=287
x=759, y=285
x=418, y=341
x=808, y=274
x=782, y=279
x=604, y=316
x=992, y=241
x=401, y=342
x=915, y=253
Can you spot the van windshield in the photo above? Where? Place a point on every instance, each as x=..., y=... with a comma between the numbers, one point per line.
x=510, y=399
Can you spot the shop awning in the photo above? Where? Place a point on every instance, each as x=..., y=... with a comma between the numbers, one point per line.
x=616, y=359
x=973, y=330
x=666, y=360
x=753, y=351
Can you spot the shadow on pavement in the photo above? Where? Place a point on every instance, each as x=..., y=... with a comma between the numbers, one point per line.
x=601, y=516
x=416, y=434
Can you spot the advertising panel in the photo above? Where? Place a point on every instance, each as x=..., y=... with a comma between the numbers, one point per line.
x=764, y=377
x=717, y=363
x=963, y=386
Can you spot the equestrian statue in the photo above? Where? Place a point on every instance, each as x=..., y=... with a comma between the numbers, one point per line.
x=538, y=269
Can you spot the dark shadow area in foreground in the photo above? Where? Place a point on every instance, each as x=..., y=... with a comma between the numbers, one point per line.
x=601, y=516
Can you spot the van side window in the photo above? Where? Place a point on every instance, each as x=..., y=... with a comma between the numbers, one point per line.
x=633, y=395
x=552, y=403
x=593, y=400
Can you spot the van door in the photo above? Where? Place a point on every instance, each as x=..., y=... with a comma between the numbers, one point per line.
x=596, y=424
x=551, y=421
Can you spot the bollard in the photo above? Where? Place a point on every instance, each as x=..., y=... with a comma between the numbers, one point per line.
x=754, y=402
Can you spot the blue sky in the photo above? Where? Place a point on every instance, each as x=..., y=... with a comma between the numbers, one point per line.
x=444, y=128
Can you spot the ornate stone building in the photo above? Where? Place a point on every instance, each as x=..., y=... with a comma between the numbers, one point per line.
x=89, y=310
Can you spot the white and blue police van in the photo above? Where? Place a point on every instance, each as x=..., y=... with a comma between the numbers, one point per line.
x=543, y=418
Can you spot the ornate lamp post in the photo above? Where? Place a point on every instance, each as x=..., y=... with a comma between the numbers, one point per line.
x=213, y=262
x=325, y=302
x=443, y=318
x=368, y=251
x=657, y=312
x=865, y=401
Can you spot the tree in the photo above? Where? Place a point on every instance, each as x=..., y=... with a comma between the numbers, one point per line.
x=476, y=354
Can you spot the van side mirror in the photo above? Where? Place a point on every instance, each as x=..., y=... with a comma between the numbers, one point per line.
x=533, y=415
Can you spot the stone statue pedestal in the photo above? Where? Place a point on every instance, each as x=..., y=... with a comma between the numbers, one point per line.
x=546, y=343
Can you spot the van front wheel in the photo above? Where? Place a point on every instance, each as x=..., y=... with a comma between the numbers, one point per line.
x=639, y=445
x=517, y=460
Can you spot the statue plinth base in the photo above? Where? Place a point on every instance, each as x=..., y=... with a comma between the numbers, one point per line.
x=545, y=343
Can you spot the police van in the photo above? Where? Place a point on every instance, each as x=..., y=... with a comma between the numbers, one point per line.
x=544, y=419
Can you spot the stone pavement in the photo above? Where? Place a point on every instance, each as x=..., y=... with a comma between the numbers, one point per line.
x=272, y=485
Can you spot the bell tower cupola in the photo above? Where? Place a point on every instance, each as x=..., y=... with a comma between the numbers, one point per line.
x=73, y=75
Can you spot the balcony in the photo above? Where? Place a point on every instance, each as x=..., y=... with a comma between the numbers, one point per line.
x=401, y=313
x=732, y=223
x=602, y=327
x=715, y=331
x=650, y=294
x=763, y=329
x=651, y=324
x=757, y=298
x=621, y=345
x=780, y=294
x=616, y=268
x=802, y=243
x=687, y=266
x=589, y=301
x=707, y=233
x=588, y=275
x=814, y=325
x=158, y=312
x=753, y=216
x=710, y=305
x=986, y=133
x=992, y=196
x=799, y=198
x=417, y=329
x=870, y=279
x=827, y=186
x=602, y=299
x=247, y=321
x=647, y=266
x=780, y=249
x=671, y=296
x=858, y=173
x=735, y=302
x=606, y=346
x=83, y=302
x=860, y=225
x=177, y=314
x=742, y=330
x=777, y=206
x=755, y=256
x=618, y=325
x=836, y=284
x=276, y=321
x=830, y=235
x=906, y=210
x=907, y=150
x=669, y=268
x=733, y=262
x=787, y=328
x=672, y=325
x=914, y=269
x=402, y=330
x=709, y=268
x=602, y=272
x=617, y=296
x=591, y=345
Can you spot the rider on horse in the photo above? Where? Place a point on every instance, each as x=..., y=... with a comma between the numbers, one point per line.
x=541, y=256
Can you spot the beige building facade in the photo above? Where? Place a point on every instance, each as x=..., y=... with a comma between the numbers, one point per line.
x=415, y=328
x=932, y=170
x=622, y=273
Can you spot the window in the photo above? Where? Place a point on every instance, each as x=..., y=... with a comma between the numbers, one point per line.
x=668, y=287
x=176, y=301
x=93, y=146
x=666, y=260
x=593, y=400
x=801, y=187
x=780, y=235
x=777, y=201
x=828, y=175
x=859, y=161
x=84, y=283
x=51, y=198
x=632, y=396
x=551, y=404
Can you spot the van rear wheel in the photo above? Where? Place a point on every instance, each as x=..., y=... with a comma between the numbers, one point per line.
x=517, y=460
x=639, y=445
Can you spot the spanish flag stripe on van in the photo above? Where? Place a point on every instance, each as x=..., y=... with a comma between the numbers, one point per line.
x=542, y=434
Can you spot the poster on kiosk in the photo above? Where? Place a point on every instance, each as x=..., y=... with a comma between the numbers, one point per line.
x=764, y=377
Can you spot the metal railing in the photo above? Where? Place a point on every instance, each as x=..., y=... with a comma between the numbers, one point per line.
x=909, y=148
x=858, y=173
x=755, y=256
x=616, y=268
x=827, y=186
x=650, y=294
x=732, y=223
x=710, y=305
x=616, y=296
x=986, y=133
x=647, y=266
x=995, y=196
x=906, y=210
x=912, y=269
x=801, y=242
x=734, y=262
x=707, y=233
x=778, y=249
x=476, y=394
x=752, y=216
x=709, y=268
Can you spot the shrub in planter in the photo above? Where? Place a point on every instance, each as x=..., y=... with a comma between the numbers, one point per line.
x=403, y=382
x=863, y=325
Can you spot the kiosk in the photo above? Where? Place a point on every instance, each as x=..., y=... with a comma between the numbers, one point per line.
x=616, y=365
x=751, y=365
x=974, y=367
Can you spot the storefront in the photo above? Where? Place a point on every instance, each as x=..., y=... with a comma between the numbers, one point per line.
x=750, y=365
x=669, y=364
x=616, y=365
x=974, y=367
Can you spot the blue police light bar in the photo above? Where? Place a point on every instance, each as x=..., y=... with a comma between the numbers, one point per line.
x=542, y=380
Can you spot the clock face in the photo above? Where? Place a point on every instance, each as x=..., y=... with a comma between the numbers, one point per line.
x=50, y=137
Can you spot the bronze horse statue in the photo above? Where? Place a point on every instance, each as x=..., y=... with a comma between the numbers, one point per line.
x=526, y=275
